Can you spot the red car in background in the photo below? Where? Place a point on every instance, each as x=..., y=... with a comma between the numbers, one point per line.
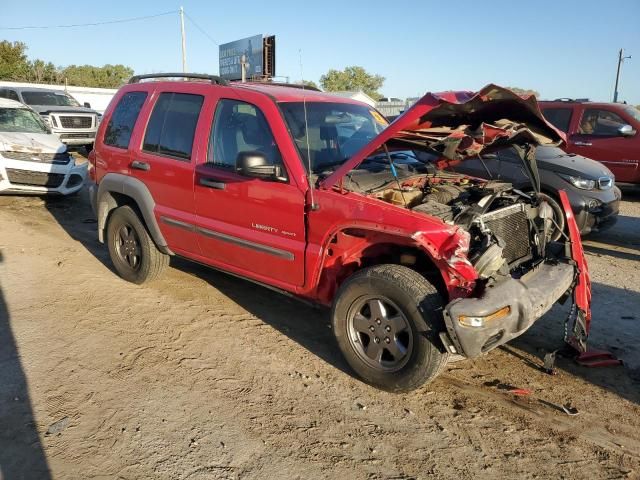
x=606, y=132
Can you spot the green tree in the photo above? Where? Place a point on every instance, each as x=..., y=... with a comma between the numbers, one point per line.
x=352, y=78
x=13, y=60
x=308, y=83
x=108, y=76
x=524, y=91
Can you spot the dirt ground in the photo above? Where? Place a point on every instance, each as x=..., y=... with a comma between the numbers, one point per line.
x=201, y=375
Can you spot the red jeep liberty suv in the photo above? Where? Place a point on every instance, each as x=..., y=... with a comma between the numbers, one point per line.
x=317, y=196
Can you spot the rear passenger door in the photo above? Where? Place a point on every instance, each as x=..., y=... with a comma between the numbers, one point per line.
x=165, y=159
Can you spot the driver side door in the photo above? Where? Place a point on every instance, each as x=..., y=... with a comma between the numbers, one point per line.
x=598, y=138
x=249, y=226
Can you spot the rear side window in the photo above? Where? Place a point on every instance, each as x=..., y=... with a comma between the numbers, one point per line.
x=118, y=133
x=558, y=117
x=172, y=125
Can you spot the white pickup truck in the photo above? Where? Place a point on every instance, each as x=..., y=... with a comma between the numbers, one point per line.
x=75, y=124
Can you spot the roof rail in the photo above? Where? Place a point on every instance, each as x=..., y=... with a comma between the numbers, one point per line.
x=567, y=99
x=284, y=84
x=213, y=78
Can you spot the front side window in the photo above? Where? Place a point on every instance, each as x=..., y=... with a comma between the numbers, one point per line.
x=633, y=112
x=21, y=120
x=10, y=94
x=558, y=117
x=240, y=127
x=600, y=123
x=56, y=99
x=172, y=126
x=328, y=134
x=118, y=133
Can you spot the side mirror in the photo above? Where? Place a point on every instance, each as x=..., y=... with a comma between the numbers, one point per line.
x=87, y=104
x=254, y=164
x=626, y=131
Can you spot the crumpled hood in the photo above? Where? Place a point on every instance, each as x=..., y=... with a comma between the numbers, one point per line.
x=54, y=108
x=31, y=142
x=459, y=125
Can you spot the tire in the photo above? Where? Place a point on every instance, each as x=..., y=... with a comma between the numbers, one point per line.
x=411, y=356
x=133, y=253
x=88, y=147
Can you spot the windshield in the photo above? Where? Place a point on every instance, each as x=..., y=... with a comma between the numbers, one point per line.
x=56, y=99
x=633, y=112
x=21, y=120
x=332, y=133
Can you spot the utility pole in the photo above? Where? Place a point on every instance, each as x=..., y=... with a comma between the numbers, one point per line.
x=184, y=42
x=620, y=60
x=243, y=67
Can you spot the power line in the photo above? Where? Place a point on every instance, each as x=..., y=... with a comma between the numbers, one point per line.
x=201, y=29
x=110, y=22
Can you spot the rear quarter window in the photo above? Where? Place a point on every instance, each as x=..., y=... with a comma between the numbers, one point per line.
x=558, y=117
x=125, y=115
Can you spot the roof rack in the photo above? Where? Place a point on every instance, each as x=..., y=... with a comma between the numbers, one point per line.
x=284, y=84
x=213, y=78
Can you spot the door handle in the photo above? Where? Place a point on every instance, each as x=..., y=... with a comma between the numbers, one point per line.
x=138, y=165
x=211, y=183
x=583, y=144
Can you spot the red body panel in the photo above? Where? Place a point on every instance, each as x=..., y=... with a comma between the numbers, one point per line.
x=267, y=231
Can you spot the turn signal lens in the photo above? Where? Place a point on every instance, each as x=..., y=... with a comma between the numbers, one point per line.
x=481, y=321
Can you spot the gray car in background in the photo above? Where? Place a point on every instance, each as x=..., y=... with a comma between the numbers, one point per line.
x=590, y=185
x=76, y=125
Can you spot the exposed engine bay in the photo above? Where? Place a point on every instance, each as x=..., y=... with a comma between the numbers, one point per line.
x=509, y=229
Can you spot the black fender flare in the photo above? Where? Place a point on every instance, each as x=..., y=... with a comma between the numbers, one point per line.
x=134, y=189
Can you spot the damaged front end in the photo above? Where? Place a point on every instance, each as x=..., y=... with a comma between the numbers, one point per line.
x=521, y=249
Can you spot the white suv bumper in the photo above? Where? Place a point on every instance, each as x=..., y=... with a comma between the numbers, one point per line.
x=20, y=176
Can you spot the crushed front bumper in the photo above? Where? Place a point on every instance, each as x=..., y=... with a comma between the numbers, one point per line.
x=528, y=298
x=27, y=177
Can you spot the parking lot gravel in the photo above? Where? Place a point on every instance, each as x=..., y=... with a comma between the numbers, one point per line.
x=202, y=375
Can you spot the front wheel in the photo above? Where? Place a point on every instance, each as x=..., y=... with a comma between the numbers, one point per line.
x=386, y=320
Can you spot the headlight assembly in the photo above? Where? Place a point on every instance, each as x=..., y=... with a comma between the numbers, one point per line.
x=579, y=182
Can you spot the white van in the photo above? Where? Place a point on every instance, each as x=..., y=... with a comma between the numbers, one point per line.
x=32, y=159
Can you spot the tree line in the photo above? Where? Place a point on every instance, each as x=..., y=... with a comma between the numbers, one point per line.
x=16, y=66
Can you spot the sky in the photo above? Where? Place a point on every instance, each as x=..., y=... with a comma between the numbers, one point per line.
x=559, y=48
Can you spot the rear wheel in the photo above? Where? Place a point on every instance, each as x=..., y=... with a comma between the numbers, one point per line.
x=133, y=253
x=386, y=320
